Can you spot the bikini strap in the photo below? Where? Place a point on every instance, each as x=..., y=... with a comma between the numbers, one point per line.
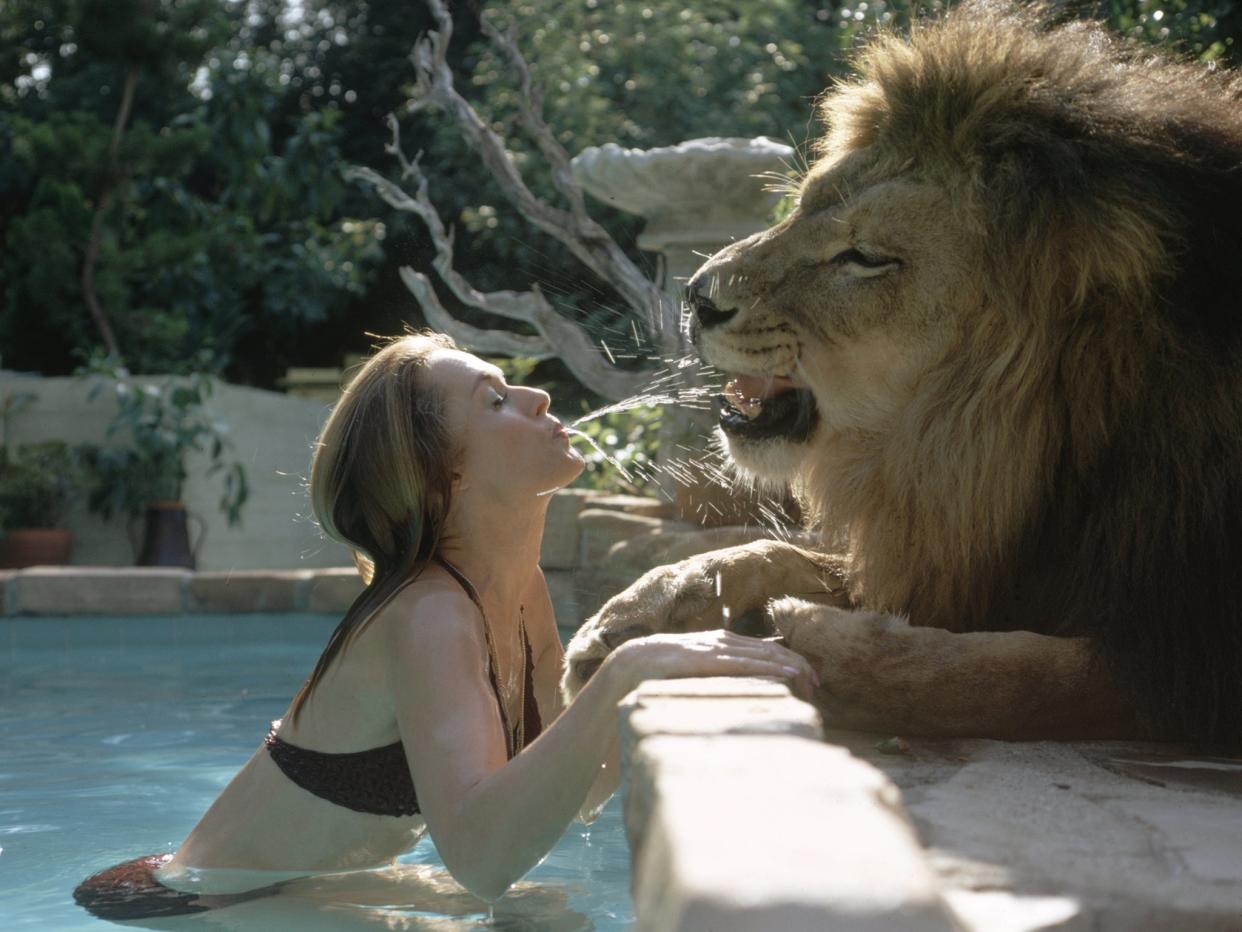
x=465, y=583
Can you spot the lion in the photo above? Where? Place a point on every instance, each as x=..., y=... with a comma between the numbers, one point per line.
x=997, y=348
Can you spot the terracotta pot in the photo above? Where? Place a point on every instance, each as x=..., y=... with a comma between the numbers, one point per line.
x=35, y=546
x=166, y=536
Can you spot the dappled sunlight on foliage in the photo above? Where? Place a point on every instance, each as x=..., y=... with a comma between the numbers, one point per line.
x=627, y=444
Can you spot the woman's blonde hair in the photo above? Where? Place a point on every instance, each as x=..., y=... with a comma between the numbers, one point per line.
x=381, y=480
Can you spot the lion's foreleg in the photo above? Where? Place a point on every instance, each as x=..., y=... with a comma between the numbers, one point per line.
x=881, y=674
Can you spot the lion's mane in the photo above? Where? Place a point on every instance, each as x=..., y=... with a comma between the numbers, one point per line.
x=1074, y=466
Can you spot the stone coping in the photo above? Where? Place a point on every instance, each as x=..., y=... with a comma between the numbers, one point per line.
x=740, y=817
x=79, y=590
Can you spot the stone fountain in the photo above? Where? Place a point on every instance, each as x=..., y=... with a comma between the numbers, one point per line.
x=697, y=196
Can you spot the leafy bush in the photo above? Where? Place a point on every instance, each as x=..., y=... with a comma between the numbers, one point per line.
x=38, y=482
x=160, y=423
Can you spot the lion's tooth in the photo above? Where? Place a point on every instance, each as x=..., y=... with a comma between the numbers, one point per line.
x=748, y=407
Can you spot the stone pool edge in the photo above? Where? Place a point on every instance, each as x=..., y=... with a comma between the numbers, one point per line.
x=79, y=590
x=739, y=816
x=140, y=590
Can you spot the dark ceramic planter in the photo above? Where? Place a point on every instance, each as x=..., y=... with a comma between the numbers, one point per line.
x=166, y=536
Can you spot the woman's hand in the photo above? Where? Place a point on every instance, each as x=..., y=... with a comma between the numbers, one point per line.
x=709, y=653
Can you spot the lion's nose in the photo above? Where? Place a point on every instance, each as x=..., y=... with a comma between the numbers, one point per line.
x=705, y=310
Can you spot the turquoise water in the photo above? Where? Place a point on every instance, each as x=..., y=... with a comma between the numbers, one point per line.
x=116, y=734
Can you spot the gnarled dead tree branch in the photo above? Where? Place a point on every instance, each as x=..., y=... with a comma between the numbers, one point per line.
x=586, y=240
x=556, y=335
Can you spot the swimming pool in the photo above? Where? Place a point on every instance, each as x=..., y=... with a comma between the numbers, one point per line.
x=117, y=733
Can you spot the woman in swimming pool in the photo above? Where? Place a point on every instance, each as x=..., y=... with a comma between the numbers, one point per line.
x=443, y=675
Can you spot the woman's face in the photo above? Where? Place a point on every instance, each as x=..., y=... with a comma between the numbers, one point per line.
x=509, y=445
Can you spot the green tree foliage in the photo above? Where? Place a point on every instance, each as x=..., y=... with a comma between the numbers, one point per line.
x=228, y=230
x=1205, y=29
x=655, y=73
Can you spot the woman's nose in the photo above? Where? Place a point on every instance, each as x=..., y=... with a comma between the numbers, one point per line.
x=542, y=400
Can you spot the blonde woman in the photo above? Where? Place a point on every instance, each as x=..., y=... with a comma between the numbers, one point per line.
x=435, y=704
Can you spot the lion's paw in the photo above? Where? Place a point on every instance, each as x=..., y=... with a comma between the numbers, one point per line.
x=727, y=588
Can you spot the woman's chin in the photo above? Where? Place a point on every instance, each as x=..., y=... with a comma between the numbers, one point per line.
x=568, y=467
x=574, y=464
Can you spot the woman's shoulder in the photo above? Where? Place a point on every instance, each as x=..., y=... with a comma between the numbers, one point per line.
x=433, y=604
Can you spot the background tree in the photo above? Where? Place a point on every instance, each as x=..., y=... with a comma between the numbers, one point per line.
x=217, y=235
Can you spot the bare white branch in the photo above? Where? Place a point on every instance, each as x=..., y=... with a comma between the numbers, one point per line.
x=477, y=338
x=589, y=242
x=530, y=115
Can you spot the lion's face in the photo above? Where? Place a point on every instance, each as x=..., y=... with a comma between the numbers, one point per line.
x=824, y=324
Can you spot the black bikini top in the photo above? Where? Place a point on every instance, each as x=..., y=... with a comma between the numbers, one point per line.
x=378, y=781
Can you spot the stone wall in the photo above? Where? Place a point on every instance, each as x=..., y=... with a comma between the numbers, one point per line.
x=272, y=435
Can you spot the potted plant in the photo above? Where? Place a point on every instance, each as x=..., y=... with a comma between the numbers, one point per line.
x=142, y=473
x=37, y=484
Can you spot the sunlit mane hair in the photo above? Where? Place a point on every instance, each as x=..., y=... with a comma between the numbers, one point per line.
x=1078, y=453
x=381, y=478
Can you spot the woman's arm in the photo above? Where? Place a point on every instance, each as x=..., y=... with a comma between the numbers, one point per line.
x=549, y=668
x=491, y=820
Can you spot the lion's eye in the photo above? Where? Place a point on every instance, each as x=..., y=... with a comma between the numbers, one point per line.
x=858, y=264
x=854, y=257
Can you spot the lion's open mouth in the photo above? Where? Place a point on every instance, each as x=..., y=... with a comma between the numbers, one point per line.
x=756, y=407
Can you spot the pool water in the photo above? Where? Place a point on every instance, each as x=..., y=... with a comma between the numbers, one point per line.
x=117, y=733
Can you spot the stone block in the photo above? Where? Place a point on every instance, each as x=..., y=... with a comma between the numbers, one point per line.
x=709, y=687
x=563, y=588
x=771, y=832
x=248, y=591
x=332, y=591
x=98, y=591
x=560, y=531
x=601, y=528
x=635, y=505
x=1107, y=836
